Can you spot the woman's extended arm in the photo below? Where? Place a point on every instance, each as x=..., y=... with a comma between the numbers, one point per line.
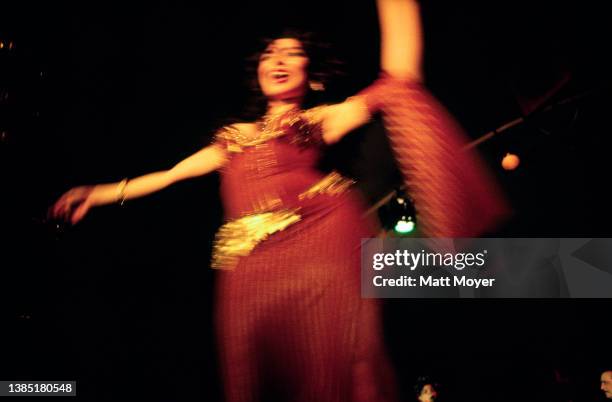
x=202, y=162
x=453, y=192
x=75, y=203
x=401, y=53
x=401, y=41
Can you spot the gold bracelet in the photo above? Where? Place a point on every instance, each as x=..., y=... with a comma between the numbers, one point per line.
x=121, y=191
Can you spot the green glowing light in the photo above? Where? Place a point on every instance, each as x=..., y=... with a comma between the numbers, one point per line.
x=404, y=225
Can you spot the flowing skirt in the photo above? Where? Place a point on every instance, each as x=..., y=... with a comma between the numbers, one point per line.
x=291, y=323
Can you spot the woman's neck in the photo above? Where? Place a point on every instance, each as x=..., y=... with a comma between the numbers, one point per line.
x=276, y=107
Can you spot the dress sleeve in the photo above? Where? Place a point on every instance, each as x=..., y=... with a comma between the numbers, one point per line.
x=453, y=192
x=379, y=93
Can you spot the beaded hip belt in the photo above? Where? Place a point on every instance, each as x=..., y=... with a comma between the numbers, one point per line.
x=237, y=238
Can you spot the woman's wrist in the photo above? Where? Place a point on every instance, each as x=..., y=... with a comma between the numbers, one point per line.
x=120, y=192
x=110, y=193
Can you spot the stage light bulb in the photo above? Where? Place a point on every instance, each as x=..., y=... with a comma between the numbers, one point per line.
x=510, y=161
x=404, y=225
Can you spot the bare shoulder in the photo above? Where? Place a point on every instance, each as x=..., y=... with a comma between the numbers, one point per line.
x=353, y=104
x=341, y=118
x=316, y=114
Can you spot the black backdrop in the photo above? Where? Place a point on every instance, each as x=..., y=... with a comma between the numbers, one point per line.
x=122, y=302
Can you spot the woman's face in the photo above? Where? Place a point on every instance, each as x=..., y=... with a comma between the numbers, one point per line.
x=282, y=70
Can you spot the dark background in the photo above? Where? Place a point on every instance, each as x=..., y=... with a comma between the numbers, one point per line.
x=97, y=91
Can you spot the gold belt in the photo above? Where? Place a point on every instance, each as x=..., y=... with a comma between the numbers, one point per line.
x=237, y=238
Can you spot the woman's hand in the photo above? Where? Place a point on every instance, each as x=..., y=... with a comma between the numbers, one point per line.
x=74, y=204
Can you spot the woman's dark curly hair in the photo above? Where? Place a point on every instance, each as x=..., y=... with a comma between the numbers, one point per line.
x=322, y=67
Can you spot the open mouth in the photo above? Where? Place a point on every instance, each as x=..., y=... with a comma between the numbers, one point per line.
x=279, y=77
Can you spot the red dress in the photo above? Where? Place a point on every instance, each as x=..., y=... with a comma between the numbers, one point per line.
x=291, y=323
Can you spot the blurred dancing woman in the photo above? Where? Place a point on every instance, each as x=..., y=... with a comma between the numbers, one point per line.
x=290, y=321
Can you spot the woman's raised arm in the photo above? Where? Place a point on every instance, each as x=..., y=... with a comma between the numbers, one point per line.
x=453, y=192
x=401, y=37
x=401, y=57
